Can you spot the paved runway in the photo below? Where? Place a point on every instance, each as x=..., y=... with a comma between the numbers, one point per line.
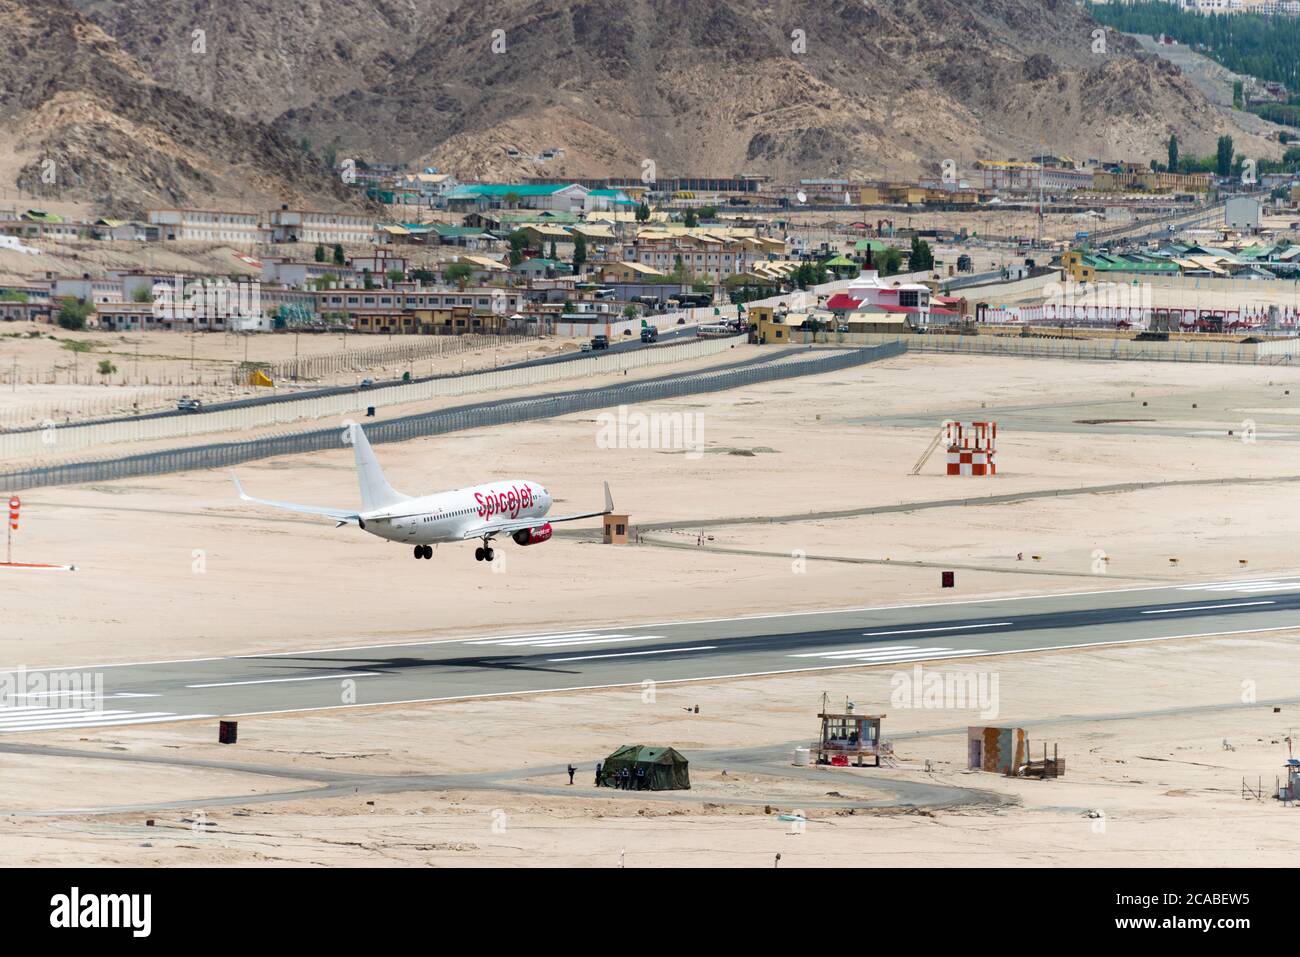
x=603, y=654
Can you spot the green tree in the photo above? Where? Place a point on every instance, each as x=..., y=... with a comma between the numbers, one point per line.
x=1173, y=153
x=689, y=220
x=1238, y=96
x=921, y=258
x=73, y=314
x=367, y=281
x=552, y=256
x=629, y=311
x=643, y=212
x=518, y=246
x=1223, y=156
x=320, y=253
x=106, y=367
x=458, y=273
x=395, y=275
x=340, y=258
x=579, y=252
x=142, y=294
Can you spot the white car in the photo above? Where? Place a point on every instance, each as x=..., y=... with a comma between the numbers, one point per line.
x=585, y=347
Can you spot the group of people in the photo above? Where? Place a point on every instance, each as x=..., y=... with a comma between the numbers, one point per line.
x=625, y=779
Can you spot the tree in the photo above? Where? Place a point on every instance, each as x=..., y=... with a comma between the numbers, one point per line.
x=395, y=275
x=579, y=252
x=629, y=311
x=106, y=367
x=708, y=212
x=73, y=314
x=518, y=246
x=367, y=281
x=643, y=212
x=340, y=259
x=424, y=275
x=689, y=220
x=1173, y=152
x=921, y=258
x=142, y=294
x=1238, y=96
x=1223, y=156
x=702, y=284
x=458, y=273
x=511, y=200
x=320, y=253
x=553, y=256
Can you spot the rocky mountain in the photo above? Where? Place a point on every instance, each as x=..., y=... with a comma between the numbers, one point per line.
x=81, y=119
x=783, y=87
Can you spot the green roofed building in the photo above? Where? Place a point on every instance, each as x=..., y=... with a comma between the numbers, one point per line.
x=479, y=196
x=649, y=768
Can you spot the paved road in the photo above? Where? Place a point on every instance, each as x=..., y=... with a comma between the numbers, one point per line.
x=604, y=654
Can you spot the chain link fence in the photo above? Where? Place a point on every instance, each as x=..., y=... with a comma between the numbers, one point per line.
x=226, y=454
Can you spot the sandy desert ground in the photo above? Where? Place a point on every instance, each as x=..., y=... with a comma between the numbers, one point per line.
x=173, y=567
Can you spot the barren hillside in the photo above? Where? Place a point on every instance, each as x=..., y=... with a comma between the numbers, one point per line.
x=81, y=120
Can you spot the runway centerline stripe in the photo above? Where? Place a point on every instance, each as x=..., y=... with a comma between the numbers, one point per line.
x=917, y=631
x=880, y=648
x=273, y=681
x=502, y=639
x=1235, y=604
x=631, y=654
x=906, y=659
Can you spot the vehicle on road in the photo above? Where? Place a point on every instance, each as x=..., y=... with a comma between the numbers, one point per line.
x=367, y=383
x=585, y=347
x=649, y=333
x=514, y=507
x=188, y=403
x=600, y=342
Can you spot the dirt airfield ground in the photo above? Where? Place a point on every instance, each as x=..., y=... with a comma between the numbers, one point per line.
x=172, y=567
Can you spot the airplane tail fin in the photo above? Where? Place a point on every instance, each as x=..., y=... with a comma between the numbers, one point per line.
x=375, y=490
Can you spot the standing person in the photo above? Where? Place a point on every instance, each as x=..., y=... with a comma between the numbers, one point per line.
x=572, y=772
x=598, y=767
x=640, y=778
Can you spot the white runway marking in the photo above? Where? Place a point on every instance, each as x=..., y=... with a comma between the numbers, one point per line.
x=917, y=631
x=1246, y=587
x=573, y=639
x=631, y=654
x=1235, y=604
x=274, y=681
x=14, y=720
x=868, y=656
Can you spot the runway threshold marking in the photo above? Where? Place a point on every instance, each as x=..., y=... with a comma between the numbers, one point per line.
x=1235, y=604
x=918, y=631
x=14, y=720
x=273, y=681
x=633, y=654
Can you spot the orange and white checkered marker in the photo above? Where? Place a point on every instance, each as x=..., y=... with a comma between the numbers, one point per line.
x=15, y=503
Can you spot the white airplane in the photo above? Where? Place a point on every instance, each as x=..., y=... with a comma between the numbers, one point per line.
x=514, y=507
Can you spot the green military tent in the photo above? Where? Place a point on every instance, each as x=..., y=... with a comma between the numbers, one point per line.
x=649, y=768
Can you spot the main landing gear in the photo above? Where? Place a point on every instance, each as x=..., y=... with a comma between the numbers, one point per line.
x=423, y=551
x=485, y=553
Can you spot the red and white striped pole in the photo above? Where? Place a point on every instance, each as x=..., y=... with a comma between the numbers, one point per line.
x=15, y=503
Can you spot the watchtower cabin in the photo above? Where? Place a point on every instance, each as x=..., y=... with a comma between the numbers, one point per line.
x=850, y=739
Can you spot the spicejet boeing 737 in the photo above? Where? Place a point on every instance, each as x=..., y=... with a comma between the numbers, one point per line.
x=515, y=507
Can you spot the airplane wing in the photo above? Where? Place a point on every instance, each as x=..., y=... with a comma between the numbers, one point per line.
x=509, y=528
x=341, y=515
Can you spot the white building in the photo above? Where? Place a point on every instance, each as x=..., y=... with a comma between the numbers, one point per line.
x=207, y=225
x=287, y=225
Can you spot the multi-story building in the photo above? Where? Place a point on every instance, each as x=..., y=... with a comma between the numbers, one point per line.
x=207, y=225
x=286, y=225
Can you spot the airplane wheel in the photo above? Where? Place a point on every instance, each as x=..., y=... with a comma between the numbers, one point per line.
x=426, y=551
x=478, y=554
x=419, y=551
x=488, y=554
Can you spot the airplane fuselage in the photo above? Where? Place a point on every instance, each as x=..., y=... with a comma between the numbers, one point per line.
x=452, y=516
